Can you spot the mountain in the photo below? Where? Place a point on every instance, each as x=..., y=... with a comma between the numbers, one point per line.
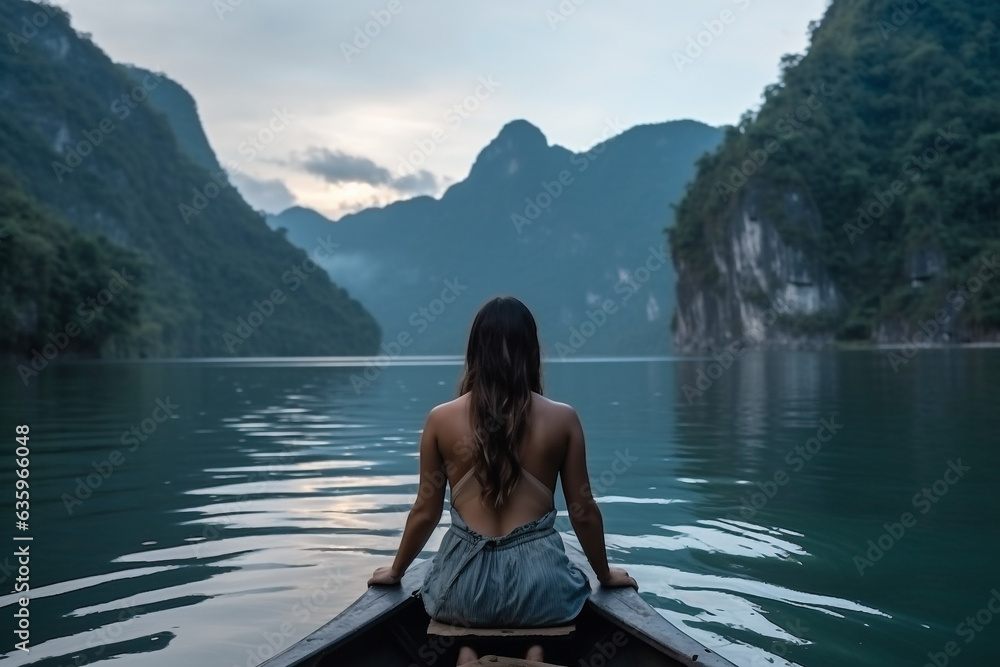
x=181, y=111
x=861, y=201
x=82, y=145
x=62, y=292
x=576, y=236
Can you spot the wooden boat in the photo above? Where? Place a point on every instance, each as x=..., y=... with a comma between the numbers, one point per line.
x=387, y=626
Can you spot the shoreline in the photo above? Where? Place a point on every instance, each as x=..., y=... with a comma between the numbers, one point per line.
x=355, y=360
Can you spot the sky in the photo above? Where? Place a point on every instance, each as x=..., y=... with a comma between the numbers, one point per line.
x=340, y=106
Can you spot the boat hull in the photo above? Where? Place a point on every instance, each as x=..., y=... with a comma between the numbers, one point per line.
x=387, y=626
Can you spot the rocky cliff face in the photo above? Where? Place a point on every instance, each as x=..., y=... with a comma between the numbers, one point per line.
x=890, y=139
x=768, y=289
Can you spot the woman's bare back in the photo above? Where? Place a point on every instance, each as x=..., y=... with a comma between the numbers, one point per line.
x=542, y=454
x=502, y=362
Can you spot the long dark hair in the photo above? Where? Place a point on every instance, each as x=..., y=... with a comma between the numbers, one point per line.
x=502, y=368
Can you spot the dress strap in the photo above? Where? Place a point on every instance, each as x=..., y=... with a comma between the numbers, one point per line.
x=545, y=493
x=540, y=485
x=460, y=484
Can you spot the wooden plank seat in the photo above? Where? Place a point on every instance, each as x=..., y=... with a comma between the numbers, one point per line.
x=444, y=630
x=498, y=661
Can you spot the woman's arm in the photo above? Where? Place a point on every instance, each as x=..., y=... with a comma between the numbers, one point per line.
x=584, y=513
x=425, y=514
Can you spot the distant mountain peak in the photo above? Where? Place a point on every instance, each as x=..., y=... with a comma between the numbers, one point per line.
x=521, y=132
x=517, y=139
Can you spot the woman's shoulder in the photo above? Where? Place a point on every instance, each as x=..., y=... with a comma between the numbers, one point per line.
x=453, y=404
x=543, y=407
x=449, y=409
x=551, y=408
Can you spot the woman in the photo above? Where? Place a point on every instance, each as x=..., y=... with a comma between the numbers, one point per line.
x=501, y=446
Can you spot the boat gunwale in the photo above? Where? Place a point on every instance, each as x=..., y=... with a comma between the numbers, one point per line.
x=356, y=618
x=621, y=607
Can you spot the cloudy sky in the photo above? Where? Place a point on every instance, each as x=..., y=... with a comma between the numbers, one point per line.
x=383, y=99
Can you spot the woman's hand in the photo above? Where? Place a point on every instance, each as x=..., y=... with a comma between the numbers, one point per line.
x=618, y=578
x=384, y=576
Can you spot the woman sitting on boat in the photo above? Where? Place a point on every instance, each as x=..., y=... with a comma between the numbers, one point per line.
x=501, y=446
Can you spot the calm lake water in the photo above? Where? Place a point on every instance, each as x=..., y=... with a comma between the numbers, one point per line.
x=274, y=488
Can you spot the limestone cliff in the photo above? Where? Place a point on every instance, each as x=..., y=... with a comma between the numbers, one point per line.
x=767, y=289
x=859, y=201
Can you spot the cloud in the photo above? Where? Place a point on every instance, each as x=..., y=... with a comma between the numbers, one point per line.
x=569, y=77
x=338, y=167
x=421, y=181
x=270, y=195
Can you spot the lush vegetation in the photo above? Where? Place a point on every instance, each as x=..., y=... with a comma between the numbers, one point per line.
x=910, y=95
x=80, y=138
x=60, y=288
x=181, y=112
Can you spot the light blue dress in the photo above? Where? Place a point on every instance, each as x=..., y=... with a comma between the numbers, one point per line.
x=523, y=579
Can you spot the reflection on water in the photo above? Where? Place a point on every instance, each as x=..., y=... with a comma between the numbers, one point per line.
x=260, y=508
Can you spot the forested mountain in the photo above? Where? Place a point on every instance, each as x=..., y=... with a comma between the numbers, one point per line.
x=173, y=101
x=81, y=146
x=52, y=277
x=576, y=236
x=861, y=201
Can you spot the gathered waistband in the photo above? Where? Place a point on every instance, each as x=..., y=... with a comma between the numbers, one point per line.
x=533, y=530
x=476, y=576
